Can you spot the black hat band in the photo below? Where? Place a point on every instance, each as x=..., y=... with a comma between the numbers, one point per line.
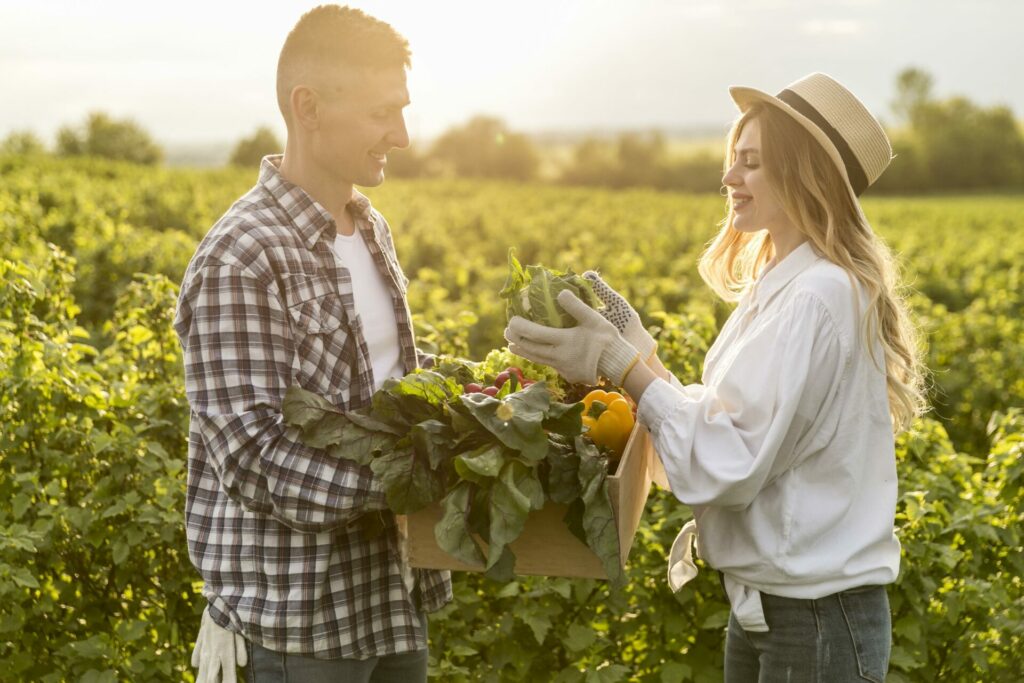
x=855, y=172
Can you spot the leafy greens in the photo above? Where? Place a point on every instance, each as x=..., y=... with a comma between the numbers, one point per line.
x=488, y=461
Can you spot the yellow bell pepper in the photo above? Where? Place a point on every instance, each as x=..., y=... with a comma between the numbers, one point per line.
x=608, y=418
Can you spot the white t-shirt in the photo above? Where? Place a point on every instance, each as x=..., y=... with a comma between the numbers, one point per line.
x=373, y=306
x=376, y=311
x=785, y=449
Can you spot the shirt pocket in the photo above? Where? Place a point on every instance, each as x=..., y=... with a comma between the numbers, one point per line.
x=325, y=352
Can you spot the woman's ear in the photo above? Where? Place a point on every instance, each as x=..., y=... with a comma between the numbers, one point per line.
x=305, y=107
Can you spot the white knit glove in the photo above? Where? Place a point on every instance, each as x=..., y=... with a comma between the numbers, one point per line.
x=217, y=652
x=620, y=313
x=580, y=353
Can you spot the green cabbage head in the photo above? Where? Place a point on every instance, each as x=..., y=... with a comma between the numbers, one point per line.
x=532, y=293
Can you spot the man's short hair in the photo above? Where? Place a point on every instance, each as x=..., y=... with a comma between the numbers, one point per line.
x=331, y=36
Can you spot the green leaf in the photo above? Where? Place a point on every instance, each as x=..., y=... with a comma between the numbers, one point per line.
x=563, y=466
x=579, y=638
x=94, y=676
x=524, y=430
x=370, y=423
x=452, y=531
x=409, y=484
x=716, y=620
x=19, y=504
x=532, y=293
x=540, y=624
x=432, y=440
x=482, y=463
x=304, y=409
x=673, y=672
x=23, y=577
x=360, y=445
x=564, y=418
x=514, y=495
x=598, y=518
x=613, y=673
x=503, y=570
x=120, y=552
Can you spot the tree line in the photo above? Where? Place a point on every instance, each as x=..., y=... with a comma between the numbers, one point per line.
x=940, y=145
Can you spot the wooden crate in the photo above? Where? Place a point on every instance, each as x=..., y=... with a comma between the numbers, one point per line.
x=547, y=547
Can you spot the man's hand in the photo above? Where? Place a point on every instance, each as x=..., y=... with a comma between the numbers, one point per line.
x=620, y=313
x=578, y=353
x=217, y=652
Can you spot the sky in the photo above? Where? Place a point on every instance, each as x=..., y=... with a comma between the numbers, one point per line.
x=204, y=72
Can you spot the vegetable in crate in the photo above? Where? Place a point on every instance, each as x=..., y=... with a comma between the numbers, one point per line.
x=609, y=419
x=532, y=293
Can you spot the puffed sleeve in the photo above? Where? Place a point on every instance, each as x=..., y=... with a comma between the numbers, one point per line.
x=771, y=400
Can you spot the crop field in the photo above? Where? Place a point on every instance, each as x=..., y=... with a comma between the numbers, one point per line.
x=95, y=580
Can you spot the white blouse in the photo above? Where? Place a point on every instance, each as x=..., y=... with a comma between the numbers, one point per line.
x=785, y=450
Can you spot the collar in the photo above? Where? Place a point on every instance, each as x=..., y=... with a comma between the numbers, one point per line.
x=311, y=219
x=773, y=280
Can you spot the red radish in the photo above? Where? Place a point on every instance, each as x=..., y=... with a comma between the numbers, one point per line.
x=473, y=388
x=513, y=370
x=500, y=380
x=491, y=391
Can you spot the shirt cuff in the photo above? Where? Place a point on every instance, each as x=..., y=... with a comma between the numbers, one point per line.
x=656, y=403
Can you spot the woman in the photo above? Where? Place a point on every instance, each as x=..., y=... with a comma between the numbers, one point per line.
x=786, y=448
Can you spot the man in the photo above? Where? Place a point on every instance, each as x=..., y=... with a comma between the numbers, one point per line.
x=298, y=283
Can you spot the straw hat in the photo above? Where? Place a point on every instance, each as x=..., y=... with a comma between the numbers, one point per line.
x=837, y=119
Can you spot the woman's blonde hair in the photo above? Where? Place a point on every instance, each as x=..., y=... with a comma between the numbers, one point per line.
x=817, y=199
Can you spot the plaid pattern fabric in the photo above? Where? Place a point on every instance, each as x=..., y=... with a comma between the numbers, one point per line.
x=273, y=526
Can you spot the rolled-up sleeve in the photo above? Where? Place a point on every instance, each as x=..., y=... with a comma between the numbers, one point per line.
x=768, y=406
x=238, y=351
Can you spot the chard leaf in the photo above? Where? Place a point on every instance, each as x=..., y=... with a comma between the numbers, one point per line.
x=564, y=418
x=483, y=463
x=574, y=520
x=427, y=385
x=419, y=396
x=307, y=411
x=408, y=483
x=563, y=475
x=458, y=369
x=432, y=440
x=360, y=445
x=598, y=518
x=524, y=430
x=503, y=569
x=371, y=423
x=452, y=532
x=514, y=495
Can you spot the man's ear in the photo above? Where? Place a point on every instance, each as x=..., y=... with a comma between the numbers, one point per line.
x=305, y=107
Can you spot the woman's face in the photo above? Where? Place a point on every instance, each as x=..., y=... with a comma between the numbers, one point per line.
x=754, y=201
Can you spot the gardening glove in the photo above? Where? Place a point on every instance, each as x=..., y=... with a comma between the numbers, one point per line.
x=217, y=652
x=579, y=354
x=620, y=313
x=681, y=567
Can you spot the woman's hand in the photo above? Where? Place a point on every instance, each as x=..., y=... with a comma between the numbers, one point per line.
x=620, y=313
x=579, y=354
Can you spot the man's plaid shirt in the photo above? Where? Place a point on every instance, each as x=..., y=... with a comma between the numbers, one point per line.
x=265, y=304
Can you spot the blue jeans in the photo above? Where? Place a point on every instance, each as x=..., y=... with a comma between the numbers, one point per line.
x=841, y=637
x=267, y=666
